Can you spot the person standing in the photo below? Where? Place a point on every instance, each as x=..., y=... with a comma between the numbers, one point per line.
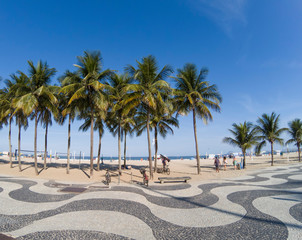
x=225, y=162
x=217, y=163
x=234, y=162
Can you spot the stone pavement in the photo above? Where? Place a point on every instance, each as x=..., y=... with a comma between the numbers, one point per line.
x=264, y=205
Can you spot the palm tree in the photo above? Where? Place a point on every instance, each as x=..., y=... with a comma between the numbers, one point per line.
x=115, y=86
x=269, y=130
x=6, y=116
x=98, y=126
x=194, y=94
x=128, y=124
x=45, y=119
x=149, y=92
x=160, y=122
x=89, y=92
x=161, y=126
x=8, y=109
x=13, y=90
x=39, y=97
x=3, y=119
x=22, y=121
x=74, y=80
x=245, y=136
x=295, y=132
x=21, y=85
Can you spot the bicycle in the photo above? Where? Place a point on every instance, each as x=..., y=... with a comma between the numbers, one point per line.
x=166, y=169
x=107, y=177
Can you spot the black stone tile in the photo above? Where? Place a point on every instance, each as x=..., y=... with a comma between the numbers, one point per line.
x=73, y=189
x=296, y=212
x=71, y=234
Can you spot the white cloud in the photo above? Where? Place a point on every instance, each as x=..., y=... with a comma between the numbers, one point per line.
x=224, y=12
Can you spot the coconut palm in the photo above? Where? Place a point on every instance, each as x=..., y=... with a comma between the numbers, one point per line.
x=115, y=86
x=160, y=122
x=15, y=87
x=128, y=124
x=194, y=94
x=89, y=92
x=21, y=85
x=73, y=79
x=7, y=114
x=8, y=95
x=3, y=106
x=269, y=131
x=98, y=126
x=149, y=91
x=45, y=118
x=162, y=125
x=39, y=97
x=295, y=132
x=3, y=119
x=245, y=136
x=22, y=121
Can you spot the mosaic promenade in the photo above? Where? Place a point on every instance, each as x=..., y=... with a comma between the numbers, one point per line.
x=264, y=205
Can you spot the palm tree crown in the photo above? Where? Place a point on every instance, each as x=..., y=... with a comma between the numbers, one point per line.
x=116, y=87
x=39, y=97
x=71, y=81
x=21, y=85
x=245, y=136
x=194, y=94
x=150, y=90
x=268, y=130
x=90, y=90
x=295, y=132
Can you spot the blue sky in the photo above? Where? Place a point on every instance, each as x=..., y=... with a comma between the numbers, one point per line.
x=251, y=48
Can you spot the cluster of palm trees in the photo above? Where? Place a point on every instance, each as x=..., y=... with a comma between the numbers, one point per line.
x=267, y=130
x=139, y=99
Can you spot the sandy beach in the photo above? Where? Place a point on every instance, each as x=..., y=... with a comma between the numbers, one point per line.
x=56, y=169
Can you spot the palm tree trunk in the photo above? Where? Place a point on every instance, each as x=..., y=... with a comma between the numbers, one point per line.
x=19, y=147
x=68, y=145
x=155, y=139
x=10, y=142
x=99, y=150
x=299, y=152
x=125, y=148
x=149, y=145
x=91, y=144
x=272, y=152
x=45, y=151
x=196, y=143
x=119, y=148
x=35, y=144
x=243, y=159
